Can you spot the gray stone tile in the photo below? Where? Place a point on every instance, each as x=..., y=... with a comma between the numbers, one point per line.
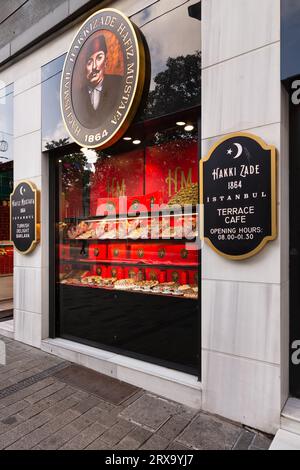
x=13, y=398
x=140, y=434
x=177, y=446
x=85, y=438
x=45, y=392
x=133, y=398
x=207, y=432
x=173, y=427
x=12, y=409
x=134, y=439
x=150, y=411
x=98, y=444
x=107, y=419
x=117, y=432
x=9, y=423
x=156, y=442
x=86, y=404
x=38, y=435
x=261, y=442
x=61, y=406
x=21, y=430
x=244, y=441
x=46, y=403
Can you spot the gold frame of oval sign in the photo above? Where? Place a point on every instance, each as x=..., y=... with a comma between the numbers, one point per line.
x=138, y=89
x=37, y=214
x=273, y=235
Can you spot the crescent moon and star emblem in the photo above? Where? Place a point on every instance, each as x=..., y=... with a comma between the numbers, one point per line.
x=239, y=151
x=22, y=190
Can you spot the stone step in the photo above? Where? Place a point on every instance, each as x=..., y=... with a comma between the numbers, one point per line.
x=285, y=440
x=290, y=416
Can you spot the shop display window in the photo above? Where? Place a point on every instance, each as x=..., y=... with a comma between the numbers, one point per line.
x=127, y=270
x=127, y=242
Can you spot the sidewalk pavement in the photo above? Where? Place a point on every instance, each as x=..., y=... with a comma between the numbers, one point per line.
x=39, y=410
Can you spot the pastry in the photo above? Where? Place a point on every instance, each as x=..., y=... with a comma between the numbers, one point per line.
x=187, y=195
x=184, y=288
x=124, y=284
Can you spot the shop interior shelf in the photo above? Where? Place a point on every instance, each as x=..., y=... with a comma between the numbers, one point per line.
x=143, y=292
x=131, y=240
x=140, y=215
x=159, y=265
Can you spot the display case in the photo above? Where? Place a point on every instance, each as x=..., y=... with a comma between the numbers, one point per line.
x=154, y=254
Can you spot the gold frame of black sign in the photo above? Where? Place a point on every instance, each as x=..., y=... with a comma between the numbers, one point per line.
x=37, y=211
x=103, y=79
x=273, y=235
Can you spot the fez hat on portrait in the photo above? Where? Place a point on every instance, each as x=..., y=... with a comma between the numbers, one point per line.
x=98, y=44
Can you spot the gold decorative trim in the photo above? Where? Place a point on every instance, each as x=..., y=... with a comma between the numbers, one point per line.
x=273, y=235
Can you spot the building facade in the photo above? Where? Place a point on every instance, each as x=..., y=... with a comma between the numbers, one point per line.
x=227, y=351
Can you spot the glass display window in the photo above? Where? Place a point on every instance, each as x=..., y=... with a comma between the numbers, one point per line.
x=127, y=251
x=127, y=242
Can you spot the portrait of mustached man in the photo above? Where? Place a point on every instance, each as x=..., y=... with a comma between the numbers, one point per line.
x=100, y=92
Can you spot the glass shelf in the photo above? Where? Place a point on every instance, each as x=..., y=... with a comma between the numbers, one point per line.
x=159, y=265
x=135, y=290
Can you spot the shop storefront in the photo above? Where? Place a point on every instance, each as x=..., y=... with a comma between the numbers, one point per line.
x=127, y=236
x=119, y=280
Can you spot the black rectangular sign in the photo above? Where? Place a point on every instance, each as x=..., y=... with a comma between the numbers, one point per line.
x=238, y=195
x=24, y=217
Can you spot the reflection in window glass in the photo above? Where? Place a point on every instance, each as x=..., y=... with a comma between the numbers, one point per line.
x=54, y=133
x=174, y=42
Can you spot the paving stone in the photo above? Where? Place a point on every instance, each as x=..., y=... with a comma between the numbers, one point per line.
x=261, y=442
x=19, y=366
x=47, y=403
x=21, y=430
x=86, y=404
x=244, y=441
x=44, y=431
x=107, y=419
x=156, y=442
x=80, y=394
x=55, y=441
x=67, y=433
x=207, y=432
x=133, y=398
x=140, y=434
x=85, y=438
x=134, y=439
x=173, y=427
x=117, y=432
x=104, y=406
x=150, y=411
x=14, y=397
x=7, y=425
x=127, y=444
x=98, y=444
x=12, y=409
x=60, y=407
x=18, y=378
x=45, y=392
x=177, y=446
